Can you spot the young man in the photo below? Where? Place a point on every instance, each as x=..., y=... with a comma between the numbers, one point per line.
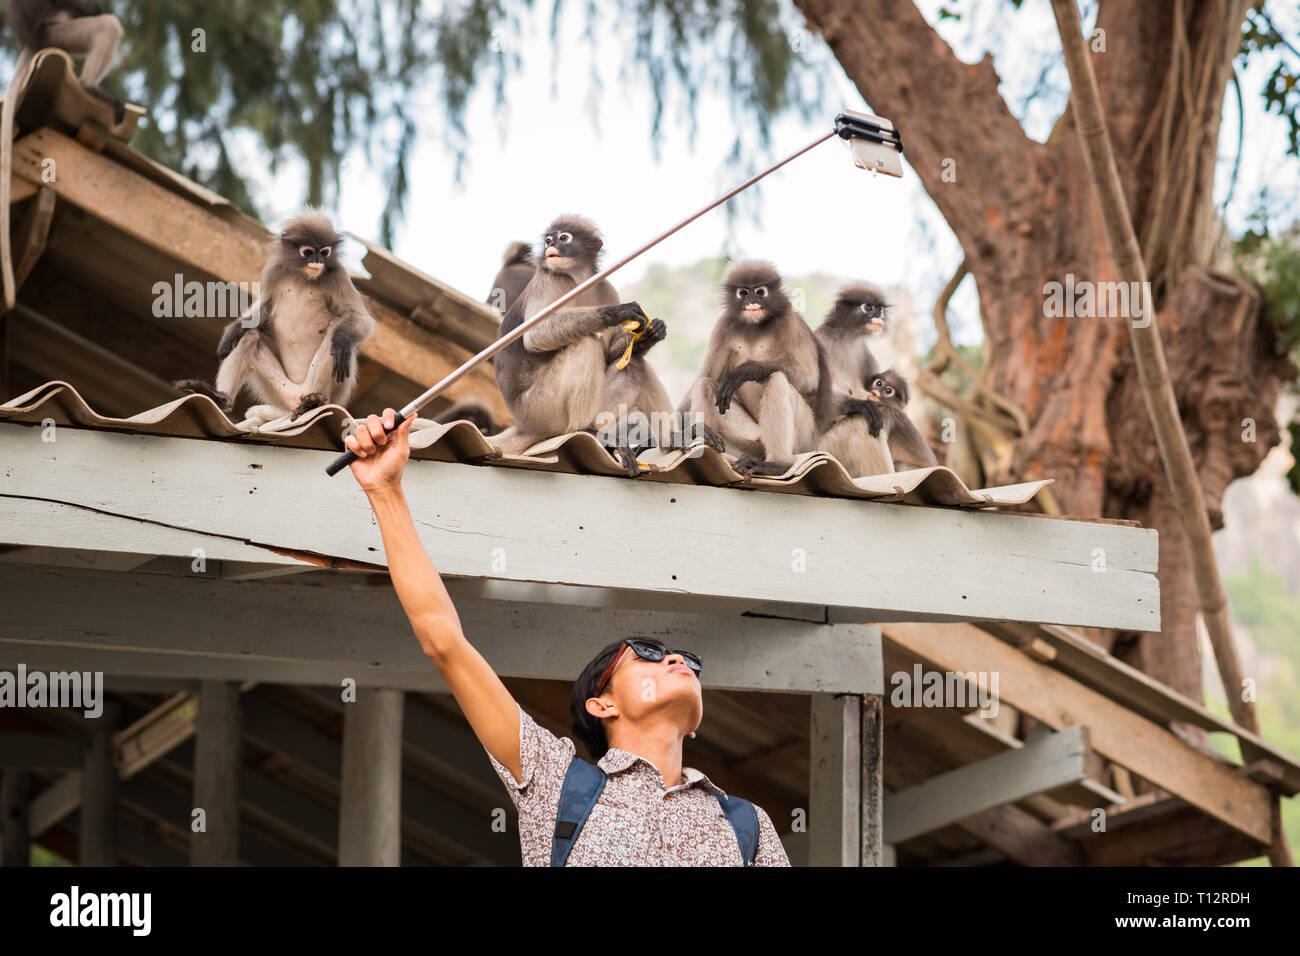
x=632, y=705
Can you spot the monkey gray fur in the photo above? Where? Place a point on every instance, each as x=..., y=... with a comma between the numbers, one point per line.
x=301, y=352
x=855, y=438
x=562, y=376
x=883, y=415
x=765, y=384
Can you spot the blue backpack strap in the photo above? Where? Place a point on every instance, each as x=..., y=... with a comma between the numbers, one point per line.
x=744, y=820
x=583, y=784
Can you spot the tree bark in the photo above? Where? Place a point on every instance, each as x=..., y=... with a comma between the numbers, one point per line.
x=1025, y=216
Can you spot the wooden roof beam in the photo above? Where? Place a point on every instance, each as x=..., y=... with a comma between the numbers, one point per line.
x=203, y=242
x=1147, y=749
x=582, y=530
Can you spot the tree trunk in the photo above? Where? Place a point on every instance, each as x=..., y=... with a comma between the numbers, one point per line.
x=1025, y=215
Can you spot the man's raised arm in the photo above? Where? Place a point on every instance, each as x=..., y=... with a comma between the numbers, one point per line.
x=488, y=706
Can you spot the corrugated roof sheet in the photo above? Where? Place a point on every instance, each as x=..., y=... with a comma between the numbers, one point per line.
x=815, y=473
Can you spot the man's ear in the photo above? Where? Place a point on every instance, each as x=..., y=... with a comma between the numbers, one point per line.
x=599, y=707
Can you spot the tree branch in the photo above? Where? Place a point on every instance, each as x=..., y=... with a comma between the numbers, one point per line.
x=944, y=108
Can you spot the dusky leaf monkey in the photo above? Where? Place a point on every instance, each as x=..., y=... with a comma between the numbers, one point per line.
x=562, y=376
x=857, y=439
x=516, y=270
x=854, y=436
x=860, y=310
x=81, y=28
x=874, y=435
x=765, y=385
x=301, y=352
x=906, y=446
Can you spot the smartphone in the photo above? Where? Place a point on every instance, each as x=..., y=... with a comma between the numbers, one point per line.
x=874, y=143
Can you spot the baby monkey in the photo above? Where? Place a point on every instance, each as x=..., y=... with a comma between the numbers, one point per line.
x=301, y=352
x=884, y=412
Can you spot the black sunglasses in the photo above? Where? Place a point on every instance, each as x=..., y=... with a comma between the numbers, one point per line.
x=650, y=651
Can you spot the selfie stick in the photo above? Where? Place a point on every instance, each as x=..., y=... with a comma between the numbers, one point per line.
x=876, y=145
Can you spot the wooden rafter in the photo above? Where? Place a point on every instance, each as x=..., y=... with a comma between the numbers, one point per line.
x=207, y=245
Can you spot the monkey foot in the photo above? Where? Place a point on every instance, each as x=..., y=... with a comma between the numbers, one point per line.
x=745, y=465
x=711, y=438
x=628, y=457
x=197, y=386
x=119, y=107
x=480, y=420
x=314, y=400
x=683, y=440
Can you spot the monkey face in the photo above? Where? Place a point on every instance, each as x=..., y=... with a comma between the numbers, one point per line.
x=568, y=244
x=310, y=243
x=861, y=305
x=752, y=302
x=889, y=388
x=872, y=314
x=315, y=259
x=753, y=293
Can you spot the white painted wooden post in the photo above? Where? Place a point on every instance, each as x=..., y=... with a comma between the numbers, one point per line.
x=835, y=784
x=370, y=808
x=100, y=791
x=216, y=775
x=873, y=783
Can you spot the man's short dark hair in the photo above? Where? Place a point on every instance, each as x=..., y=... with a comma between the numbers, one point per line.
x=586, y=728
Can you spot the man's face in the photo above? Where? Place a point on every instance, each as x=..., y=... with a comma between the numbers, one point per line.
x=639, y=687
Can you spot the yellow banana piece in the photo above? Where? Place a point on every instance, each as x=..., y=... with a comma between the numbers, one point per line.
x=637, y=331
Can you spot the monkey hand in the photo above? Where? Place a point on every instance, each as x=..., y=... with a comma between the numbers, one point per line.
x=726, y=392
x=730, y=384
x=738, y=376
x=341, y=348
x=381, y=455
x=869, y=410
x=623, y=312
x=654, y=334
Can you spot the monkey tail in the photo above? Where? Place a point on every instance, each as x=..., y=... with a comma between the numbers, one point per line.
x=518, y=254
x=6, y=174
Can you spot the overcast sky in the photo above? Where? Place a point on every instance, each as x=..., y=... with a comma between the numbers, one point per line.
x=820, y=213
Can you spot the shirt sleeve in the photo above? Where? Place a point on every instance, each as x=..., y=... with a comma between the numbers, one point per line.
x=544, y=760
x=771, y=852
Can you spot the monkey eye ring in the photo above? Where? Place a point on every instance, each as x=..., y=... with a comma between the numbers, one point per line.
x=874, y=144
